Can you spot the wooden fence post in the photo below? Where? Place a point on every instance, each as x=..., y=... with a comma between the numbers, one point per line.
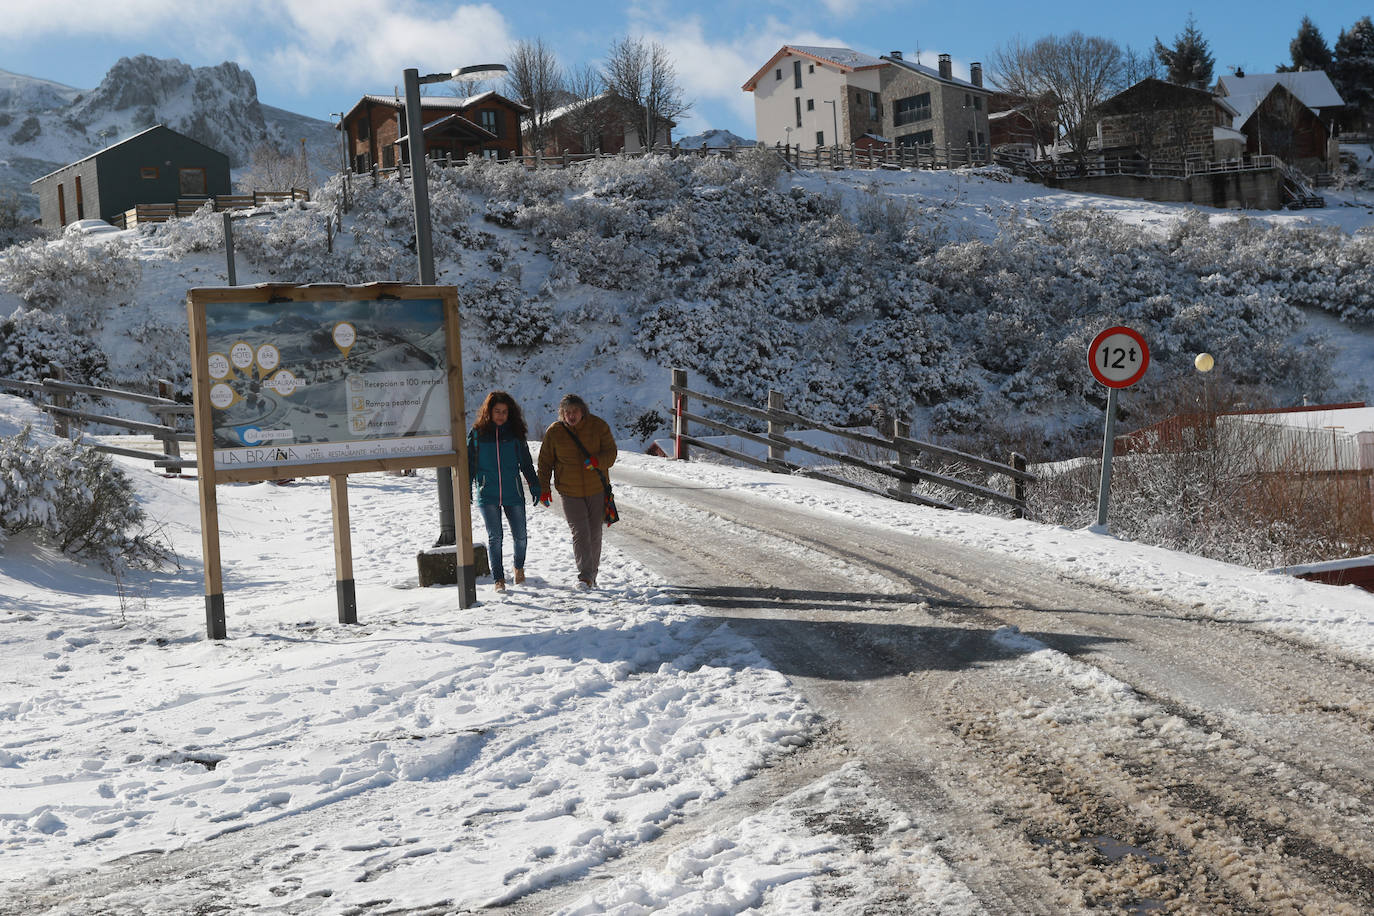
x=679, y=407
x=902, y=429
x=170, y=446
x=229, y=245
x=1018, y=485
x=59, y=399
x=776, y=427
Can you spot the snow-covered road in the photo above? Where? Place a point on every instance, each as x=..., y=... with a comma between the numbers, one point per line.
x=1068, y=745
x=787, y=697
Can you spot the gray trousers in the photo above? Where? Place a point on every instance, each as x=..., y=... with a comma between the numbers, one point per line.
x=585, y=516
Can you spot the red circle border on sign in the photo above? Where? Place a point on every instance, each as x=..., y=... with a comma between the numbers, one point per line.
x=1144, y=351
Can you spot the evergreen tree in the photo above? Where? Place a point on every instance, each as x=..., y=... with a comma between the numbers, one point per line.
x=1188, y=61
x=1308, y=49
x=1353, y=70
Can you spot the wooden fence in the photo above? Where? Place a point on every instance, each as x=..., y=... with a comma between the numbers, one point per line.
x=58, y=391
x=902, y=468
x=160, y=213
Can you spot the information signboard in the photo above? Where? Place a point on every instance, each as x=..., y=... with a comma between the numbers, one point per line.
x=325, y=380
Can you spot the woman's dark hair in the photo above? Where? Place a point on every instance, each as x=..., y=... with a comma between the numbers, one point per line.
x=515, y=421
x=572, y=400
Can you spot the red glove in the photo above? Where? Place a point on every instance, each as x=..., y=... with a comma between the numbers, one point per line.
x=545, y=498
x=590, y=464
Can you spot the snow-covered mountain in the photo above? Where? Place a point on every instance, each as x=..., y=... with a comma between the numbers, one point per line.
x=45, y=125
x=713, y=138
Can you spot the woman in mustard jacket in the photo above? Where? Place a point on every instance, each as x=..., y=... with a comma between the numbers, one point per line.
x=577, y=476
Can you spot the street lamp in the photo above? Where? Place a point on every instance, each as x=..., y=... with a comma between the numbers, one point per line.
x=424, y=244
x=834, y=120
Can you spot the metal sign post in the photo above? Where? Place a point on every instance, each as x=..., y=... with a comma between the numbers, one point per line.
x=1118, y=358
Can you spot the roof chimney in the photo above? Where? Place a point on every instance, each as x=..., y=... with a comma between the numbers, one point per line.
x=975, y=74
x=946, y=68
x=896, y=55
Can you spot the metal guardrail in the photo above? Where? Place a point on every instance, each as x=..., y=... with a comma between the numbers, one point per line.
x=902, y=469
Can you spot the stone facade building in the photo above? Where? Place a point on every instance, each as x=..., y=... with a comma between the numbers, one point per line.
x=821, y=96
x=932, y=107
x=1156, y=120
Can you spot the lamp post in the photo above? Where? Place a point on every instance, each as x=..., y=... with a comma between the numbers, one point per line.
x=834, y=120
x=424, y=245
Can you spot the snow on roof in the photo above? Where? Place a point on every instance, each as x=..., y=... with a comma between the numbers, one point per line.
x=935, y=74
x=844, y=57
x=1227, y=133
x=1348, y=421
x=1311, y=87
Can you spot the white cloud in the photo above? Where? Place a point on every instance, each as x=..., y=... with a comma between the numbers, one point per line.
x=711, y=72
x=295, y=46
x=359, y=42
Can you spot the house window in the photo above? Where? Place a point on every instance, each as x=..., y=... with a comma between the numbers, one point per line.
x=968, y=100
x=360, y=162
x=490, y=119
x=810, y=104
x=192, y=182
x=858, y=98
x=80, y=204
x=388, y=157
x=148, y=171
x=491, y=153
x=780, y=73
x=820, y=138
x=810, y=68
x=796, y=74
x=920, y=138
x=911, y=109
x=799, y=112
x=977, y=103
x=61, y=206
x=362, y=129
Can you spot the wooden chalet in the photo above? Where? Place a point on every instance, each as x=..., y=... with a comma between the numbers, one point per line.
x=487, y=124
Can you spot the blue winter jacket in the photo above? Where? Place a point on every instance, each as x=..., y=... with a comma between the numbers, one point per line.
x=496, y=462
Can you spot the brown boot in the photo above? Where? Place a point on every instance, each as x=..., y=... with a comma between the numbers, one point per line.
x=500, y=585
x=519, y=577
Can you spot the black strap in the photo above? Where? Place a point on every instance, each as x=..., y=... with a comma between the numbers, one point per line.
x=605, y=484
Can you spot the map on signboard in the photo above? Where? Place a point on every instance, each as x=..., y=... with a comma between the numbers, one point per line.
x=299, y=382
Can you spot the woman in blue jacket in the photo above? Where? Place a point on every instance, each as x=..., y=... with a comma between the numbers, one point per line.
x=498, y=456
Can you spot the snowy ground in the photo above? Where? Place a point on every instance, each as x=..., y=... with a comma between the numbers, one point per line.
x=466, y=756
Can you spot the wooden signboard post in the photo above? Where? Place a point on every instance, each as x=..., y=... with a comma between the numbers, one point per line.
x=326, y=381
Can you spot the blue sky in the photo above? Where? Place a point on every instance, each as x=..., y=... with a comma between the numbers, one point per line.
x=318, y=56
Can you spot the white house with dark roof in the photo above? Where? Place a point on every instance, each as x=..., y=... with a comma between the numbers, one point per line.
x=816, y=96
x=819, y=96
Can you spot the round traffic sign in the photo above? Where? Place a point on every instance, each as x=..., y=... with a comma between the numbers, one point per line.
x=1118, y=357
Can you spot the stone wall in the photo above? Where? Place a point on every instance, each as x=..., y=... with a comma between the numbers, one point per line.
x=1254, y=190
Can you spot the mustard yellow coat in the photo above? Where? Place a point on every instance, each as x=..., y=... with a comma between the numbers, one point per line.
x=561, y=459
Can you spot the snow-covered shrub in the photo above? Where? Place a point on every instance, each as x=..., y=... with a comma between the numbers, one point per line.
x=201, y=231
x=75, y=274
x=512, y=319
x=292, y=247
x=75, y=498
x=31, y=342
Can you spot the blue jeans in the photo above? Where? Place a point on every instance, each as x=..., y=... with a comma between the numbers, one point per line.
x=515, y=514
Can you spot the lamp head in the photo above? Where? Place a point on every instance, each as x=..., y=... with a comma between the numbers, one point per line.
x=479, y=72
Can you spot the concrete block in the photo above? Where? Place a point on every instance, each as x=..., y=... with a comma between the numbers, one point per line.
x=439, y=565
